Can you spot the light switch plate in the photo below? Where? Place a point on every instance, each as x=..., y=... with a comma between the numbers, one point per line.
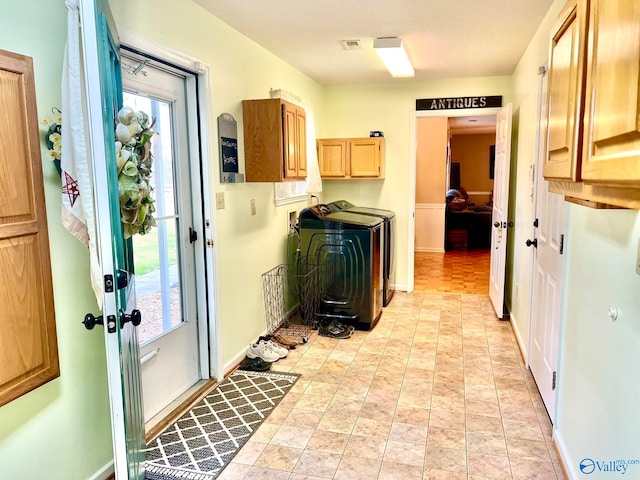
x=220, y=200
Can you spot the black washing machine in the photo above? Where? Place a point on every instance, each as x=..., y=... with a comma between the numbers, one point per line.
x=348, y=249
x=389, y=218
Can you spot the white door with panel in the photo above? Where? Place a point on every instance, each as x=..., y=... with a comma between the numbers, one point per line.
x=547, y=280
x=164, y=258
x=500, y=209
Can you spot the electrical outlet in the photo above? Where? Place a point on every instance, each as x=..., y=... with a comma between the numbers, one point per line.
x=291, y=218
x=253, y=206
x=220, y=200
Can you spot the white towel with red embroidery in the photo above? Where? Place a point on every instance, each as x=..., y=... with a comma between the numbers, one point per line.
x=77, y=185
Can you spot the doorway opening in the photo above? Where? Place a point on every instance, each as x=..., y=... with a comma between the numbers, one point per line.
x=453, y=202
x=173, y=337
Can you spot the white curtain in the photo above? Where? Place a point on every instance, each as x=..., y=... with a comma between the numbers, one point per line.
x=314, y=181
x=77, y=193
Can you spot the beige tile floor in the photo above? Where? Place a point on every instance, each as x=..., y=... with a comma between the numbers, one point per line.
x=436, y=391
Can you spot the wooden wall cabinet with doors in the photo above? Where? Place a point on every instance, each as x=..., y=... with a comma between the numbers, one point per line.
x=593, y=109
x=28, y=344
x=349, y=158
x=275, y=141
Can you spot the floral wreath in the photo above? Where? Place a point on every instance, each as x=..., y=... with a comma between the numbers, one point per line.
x=134, y=161
x=53, y=138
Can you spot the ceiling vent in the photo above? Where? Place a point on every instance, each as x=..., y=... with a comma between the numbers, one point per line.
x=351, y=44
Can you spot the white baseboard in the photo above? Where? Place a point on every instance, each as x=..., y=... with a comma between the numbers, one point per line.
x=429, y=249
x=564, y=456
x=103, y=473
x=521, y=344
x=231, y=364
x=400, y=288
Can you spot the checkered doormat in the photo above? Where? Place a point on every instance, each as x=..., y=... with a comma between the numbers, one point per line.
x=205, y=439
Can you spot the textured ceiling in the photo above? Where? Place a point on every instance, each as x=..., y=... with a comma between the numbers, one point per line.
x=444, y=38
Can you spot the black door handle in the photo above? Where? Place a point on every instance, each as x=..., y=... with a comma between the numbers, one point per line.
x=91, y=321
x=496, y=224
x=533, y=242
x=135, y=318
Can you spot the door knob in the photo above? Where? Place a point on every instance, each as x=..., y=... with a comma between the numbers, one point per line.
x=91, y=321
x=135, y=318
x=496, y=224
x=533, y=242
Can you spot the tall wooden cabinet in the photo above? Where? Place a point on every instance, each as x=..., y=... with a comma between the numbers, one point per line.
x=275, y=141
x=351, y=157
x=28, y=346
x=593, y=122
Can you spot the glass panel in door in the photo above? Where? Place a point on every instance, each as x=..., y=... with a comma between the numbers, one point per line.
x=156, y=255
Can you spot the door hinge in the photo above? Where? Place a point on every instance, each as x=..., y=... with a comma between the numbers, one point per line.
x=561, y=243
x=193, y=235
x=535, y=223
x=553, y=381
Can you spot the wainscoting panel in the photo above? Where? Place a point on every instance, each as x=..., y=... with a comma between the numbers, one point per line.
x=430, y=227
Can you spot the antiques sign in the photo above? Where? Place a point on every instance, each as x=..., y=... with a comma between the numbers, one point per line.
x=457, y=103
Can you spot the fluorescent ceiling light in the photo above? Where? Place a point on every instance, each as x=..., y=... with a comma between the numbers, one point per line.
x=394, y=57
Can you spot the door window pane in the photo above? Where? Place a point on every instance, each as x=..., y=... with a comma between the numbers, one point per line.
x=155, y=254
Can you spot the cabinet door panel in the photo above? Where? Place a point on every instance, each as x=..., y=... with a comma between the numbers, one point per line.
x=612, y=119
x=301, y=130
x=332, y=158
x=565, y=92
x=365, y=157
x=290, y=150
x=28, y=346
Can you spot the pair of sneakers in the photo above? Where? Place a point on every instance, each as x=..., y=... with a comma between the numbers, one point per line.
x=334, y=329
x=267, y=351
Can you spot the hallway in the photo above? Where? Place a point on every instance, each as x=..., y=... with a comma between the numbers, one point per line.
x=456, y=271
x=436, y=391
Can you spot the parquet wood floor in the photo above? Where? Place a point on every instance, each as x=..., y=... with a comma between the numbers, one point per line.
x=456, y=271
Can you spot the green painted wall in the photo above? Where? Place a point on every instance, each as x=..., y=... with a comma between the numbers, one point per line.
x=60, y=431
x=598, y=415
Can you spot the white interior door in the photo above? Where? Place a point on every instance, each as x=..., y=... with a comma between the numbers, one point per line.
x=500, y=209
x=164, y=258
x=546, y=284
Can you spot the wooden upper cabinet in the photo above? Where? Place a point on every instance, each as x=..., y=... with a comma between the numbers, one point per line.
x=28, y=345
x=366, y=157
x=351, y=157
x=565, y=94
x=332, y=157
x=612, y=120
x=275, y=138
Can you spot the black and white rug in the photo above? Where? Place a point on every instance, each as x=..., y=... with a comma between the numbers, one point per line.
x=205, y=439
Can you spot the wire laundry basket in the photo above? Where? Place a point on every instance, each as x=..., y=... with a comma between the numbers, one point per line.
x=291, y=297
